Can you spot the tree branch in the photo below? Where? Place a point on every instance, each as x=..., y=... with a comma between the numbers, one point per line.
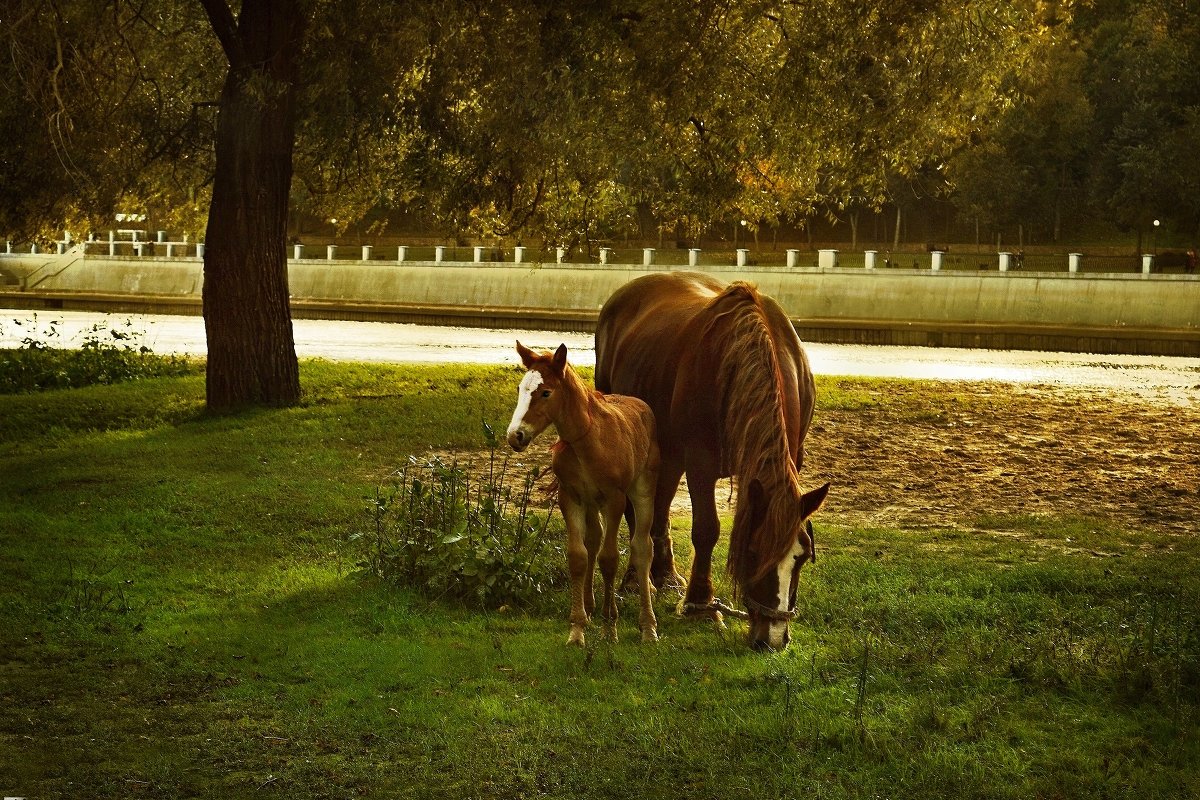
x=225, y=27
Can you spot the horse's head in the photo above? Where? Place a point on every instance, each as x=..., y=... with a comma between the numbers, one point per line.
x=768, y=585
x=539, y=396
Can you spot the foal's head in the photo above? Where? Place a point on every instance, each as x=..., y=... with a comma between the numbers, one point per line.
x=539, y=398
x=768, y=584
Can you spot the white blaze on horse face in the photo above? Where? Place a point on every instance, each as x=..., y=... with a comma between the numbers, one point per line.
x=529, y=385
x=784, y=572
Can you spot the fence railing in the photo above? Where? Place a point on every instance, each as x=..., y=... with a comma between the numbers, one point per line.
x=138, y=244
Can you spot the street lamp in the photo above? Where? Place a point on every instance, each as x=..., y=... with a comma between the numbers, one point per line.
x=1154, y=242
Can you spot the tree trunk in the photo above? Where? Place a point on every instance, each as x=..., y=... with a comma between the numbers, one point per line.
x=247, y=317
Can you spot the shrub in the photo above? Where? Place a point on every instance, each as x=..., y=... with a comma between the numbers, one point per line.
x=464, y=531
x=106, y=355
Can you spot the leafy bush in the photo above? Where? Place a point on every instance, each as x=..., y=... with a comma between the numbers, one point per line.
x=447, y=534
x=106, y=355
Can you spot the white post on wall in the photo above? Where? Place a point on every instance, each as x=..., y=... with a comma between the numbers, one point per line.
x=33, y=248
x=170, y=249
x=869, y=258
x=518, y=255
x=605, y=252
x=439, y=253
x=560, y=253
x=162, y=237
x=1005, y=262
x=61, y=247
x=1073, y=260
x=647, y=256
x=200, y=250
x=935, y=262
x=297, y=251
x=402, y=253
x=693, y=256
x=1147, y=264
x=366, y=252
x=478, y=254
x=827, y=259
x=793, y=258
x=8, y=247
x=741, y=256
x=330, y=252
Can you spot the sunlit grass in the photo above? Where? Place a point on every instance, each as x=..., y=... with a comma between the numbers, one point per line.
x=185, y=616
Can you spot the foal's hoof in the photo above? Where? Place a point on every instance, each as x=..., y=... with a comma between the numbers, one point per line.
x=576, y=637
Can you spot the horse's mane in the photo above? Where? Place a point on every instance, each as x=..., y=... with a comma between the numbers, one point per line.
x=753, y=431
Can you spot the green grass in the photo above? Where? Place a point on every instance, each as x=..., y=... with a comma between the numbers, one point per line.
x=183, y=617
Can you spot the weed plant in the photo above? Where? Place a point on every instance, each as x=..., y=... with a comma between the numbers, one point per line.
x=446, y=534
x=106, y=355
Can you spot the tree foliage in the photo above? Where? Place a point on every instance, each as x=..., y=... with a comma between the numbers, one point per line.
x=520, y=117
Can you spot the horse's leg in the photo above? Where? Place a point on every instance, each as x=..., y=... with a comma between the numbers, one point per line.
x=662, y=567
x=609, y=559
x=706, y=528
x=593, y=536
x=640, y=554
x=578, y=564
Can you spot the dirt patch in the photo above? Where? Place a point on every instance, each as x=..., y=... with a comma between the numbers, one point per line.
x=951, y=454
x=920, y=454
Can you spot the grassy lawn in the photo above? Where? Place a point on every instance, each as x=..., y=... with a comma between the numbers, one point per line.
x=184, y=616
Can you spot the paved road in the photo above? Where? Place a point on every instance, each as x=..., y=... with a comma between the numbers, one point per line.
x=1151, y=377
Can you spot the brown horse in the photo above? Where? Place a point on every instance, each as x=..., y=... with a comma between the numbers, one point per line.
x=732, y=394
x=606, y=456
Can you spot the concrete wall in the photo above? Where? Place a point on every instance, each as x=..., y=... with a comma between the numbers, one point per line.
x=1106, y=313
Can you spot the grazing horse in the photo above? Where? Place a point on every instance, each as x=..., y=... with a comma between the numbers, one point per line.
x=606, y=456
x=732, y=394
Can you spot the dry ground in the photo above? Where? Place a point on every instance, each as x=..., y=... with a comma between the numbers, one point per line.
x=929, y=454
x=987, y=449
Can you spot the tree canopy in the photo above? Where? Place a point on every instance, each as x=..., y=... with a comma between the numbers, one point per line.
x=553, y=120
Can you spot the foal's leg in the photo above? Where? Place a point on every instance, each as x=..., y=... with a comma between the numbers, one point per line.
x=578, y=564
x=662, y=569
x=592, y=540
x=609, y=560
x=640, y=554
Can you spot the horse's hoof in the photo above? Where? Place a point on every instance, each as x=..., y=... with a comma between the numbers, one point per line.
x=576, y=638
x=671, y=583
x=649, y=635
x=610, y=633
x=695, y=611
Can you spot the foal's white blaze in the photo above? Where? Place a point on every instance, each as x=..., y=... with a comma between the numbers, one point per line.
x=529, y=385
x=783, y=573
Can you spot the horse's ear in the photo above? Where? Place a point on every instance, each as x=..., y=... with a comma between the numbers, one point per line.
x=812, y=501
x=560, y=359
x=526, y=355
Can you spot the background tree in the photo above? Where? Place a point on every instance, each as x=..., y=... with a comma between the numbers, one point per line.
x=514, y=118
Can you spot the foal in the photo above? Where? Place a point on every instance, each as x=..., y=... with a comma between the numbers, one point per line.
x=607, y=453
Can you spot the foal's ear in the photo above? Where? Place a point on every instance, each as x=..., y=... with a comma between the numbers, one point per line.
x=526, y=354
x=560, y=359
x=812, y=501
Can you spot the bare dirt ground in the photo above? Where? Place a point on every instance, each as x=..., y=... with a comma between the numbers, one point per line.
x=949, y=454
x=934, y=454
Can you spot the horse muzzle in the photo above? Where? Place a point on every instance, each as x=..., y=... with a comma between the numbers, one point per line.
x=519, y=439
